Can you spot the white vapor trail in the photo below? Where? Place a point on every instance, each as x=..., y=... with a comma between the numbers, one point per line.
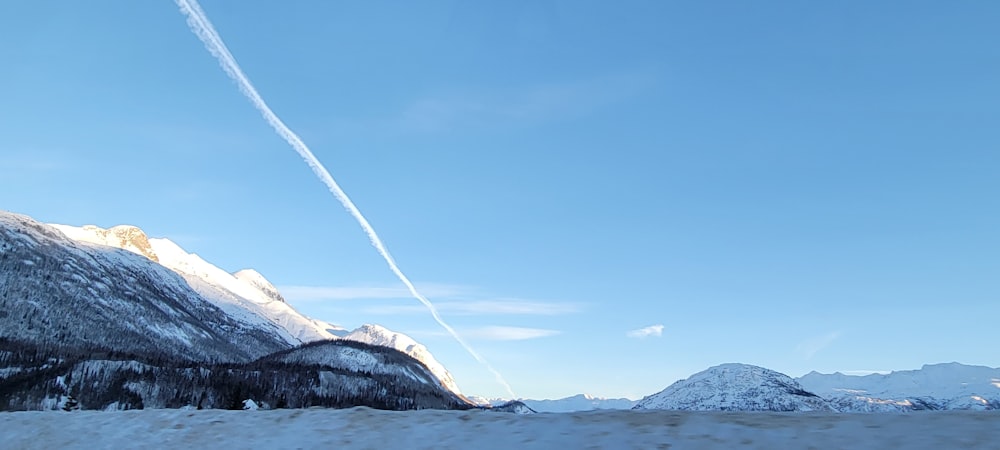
x=200, y=25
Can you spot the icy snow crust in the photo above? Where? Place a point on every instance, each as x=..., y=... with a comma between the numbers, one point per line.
x=428, y=429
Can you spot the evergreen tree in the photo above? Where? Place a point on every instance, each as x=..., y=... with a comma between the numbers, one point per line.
x=71, y=404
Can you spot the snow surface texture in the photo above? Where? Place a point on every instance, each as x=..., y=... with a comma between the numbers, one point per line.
x=368, y=428
x=248, y=297
x=735, y=387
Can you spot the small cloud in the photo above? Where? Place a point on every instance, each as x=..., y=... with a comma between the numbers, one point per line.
x=810, y=347
x=523, y=105
x=642, y=333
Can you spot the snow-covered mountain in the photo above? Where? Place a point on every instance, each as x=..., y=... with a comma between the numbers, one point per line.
x=245, y=295
x=118, y=320
x=950, y=386
x=735, y=387
x=105, y=311
x=249, y=297
x=741, y=387
x=377, y=335
x=56, y=291
x=354, y=356
x=580, y=402
x=510, y=406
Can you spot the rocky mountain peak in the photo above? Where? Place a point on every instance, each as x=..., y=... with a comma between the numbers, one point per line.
x=255, y=279
x=127, y=237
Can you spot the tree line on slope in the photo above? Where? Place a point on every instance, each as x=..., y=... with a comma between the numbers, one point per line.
x=33, y=377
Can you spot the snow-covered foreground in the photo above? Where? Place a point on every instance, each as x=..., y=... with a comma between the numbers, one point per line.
x=367, y=428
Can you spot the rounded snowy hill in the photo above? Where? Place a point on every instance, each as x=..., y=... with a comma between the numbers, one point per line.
x=735, y=387
x=387, y=371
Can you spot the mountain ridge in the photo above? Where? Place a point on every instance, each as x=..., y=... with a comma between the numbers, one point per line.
x=948, y=386
x=249, y=291
x=573, y=403
x=743, y=387
x=84, y=295
x=57, y=291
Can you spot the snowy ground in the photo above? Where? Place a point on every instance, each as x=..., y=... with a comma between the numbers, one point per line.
x=367, y=428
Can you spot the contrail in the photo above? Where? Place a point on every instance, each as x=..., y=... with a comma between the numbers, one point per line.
x=200, y=26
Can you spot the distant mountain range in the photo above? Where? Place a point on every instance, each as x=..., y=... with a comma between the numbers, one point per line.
x=950, y=386
x=579, y=402
x=742, y=387
x=110, y=319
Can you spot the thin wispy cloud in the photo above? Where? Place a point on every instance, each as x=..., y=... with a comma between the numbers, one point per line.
x=34, y=162
x=452, y=299
x=810, y=347
x=645, y=332
x=483, y=307
x=191, y=191
x=500, y=333
x=327, y=293
x=444, y=111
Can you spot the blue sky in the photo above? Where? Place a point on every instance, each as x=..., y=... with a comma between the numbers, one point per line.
x=797, y=185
